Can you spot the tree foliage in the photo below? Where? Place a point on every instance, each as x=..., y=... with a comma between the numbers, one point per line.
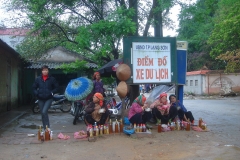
x=225, y=38
x=195, y=26
x=93, y=28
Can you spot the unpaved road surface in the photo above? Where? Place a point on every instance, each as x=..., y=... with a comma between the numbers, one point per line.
x=221, y=142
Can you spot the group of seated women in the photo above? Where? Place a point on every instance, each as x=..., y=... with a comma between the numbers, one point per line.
x=140, y=111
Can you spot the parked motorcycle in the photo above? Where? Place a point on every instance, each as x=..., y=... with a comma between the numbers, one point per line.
x=59, y=102
x=115, y=108
x=78, y=110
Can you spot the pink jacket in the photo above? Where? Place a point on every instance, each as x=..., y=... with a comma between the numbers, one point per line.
x=135, y=108
x=163, y=108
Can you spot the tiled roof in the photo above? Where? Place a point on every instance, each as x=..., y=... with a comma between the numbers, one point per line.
x=197, y=72
x=14, y=31
x=53, y=65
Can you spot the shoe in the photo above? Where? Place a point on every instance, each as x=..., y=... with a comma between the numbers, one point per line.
x=149, y=126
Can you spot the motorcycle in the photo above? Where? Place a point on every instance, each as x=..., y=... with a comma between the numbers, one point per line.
x=59, y=102
x=78, y=110
x=115, y=108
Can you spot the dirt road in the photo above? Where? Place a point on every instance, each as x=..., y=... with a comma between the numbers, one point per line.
x=221, y=142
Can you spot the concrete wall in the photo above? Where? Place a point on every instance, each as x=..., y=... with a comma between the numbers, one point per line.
x=212, y=83
x=9, y=65
x=194, y=84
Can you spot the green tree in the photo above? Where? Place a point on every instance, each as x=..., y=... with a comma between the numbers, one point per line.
x=225, y=38
x=93, y=28
x=195, y=26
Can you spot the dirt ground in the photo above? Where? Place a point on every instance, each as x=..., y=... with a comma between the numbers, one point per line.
x=221, y=142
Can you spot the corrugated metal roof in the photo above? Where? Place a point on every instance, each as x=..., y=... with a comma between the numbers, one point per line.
x=54, y=65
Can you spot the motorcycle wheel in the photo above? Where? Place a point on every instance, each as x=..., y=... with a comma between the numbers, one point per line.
x=76, y=115
x=66, y=106
x=35, y=108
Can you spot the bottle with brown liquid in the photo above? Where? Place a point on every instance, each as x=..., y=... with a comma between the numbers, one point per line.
x=39, y=132
x=116, y=126
x=121, y=126
x=188, y=126
x=159, y=127
x=200, y=122
x=110, y=126
x=47, y=134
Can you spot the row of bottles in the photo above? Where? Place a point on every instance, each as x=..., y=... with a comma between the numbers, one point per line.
x=177, y=125
x=139, y=128
x=109, y=128
x=45, y=135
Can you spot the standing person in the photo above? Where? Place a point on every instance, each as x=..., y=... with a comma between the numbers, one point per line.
x=97, y=87
x=137, y=113
x=44, y=87
x=162, y=110
x=183, y=114
x=93, y=112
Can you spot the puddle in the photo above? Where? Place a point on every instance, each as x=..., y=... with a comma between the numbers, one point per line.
x=33, y=126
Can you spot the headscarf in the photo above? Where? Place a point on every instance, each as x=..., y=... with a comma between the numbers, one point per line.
x=95, y=74
x=162, y=95
x=140, y=100
x=100, y=97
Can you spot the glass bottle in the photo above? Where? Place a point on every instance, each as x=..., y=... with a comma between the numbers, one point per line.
x=159, y=127
x=39, y=132
x=42, y=136
x=121, y=126
x=110, y=126
x=200, y=122
x=188, y=126
x=51, y=135
x=97, y=131
x=47, y=135
x=140, y=128
x=135, y=127
x=144, y=129
x=116, y=126
x=101, y=130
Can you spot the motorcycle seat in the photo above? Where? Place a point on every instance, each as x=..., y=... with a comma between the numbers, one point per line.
x=58, y=97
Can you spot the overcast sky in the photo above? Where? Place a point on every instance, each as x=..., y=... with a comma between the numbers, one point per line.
x=175, y=10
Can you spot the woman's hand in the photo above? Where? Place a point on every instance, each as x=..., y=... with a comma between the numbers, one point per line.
x=97, y=107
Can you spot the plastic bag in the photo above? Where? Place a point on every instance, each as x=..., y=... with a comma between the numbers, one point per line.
x=80, y=135
x=128, y=131
x=62, y=136
x=126, y=121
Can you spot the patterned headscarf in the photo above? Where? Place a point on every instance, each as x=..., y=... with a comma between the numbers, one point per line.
x=163, y=95
x=140, y=100
x=95, y=74
x=100, y=97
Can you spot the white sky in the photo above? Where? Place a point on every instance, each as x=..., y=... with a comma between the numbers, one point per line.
x=175, y=10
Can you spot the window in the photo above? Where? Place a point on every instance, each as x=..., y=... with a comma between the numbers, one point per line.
x=191, y=82
x=196, y=82
x=186, y=82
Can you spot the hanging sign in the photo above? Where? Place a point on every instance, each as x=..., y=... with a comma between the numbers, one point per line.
x=151, y=62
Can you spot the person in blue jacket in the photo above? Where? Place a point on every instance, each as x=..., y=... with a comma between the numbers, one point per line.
x=183, y=114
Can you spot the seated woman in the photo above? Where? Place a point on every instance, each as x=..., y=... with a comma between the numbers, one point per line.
x=183, y=114
x=97, y=111
x=137, y=113
x=162, y=110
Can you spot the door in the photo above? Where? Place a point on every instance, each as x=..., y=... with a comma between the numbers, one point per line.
x=8, y=84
